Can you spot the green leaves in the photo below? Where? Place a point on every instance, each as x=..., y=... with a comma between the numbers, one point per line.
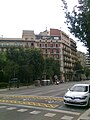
x=78, y=66
x=30, y=62
x=52, y=67
x=78, y=21
x=27, y=65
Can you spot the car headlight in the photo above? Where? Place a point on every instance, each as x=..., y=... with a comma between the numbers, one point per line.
x=84, y=97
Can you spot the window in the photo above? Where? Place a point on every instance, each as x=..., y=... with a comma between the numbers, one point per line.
x=51, y=45
x=57, y=51
x=51, y=51
x=56, y=45
x=26, y=38
x=2, y=44
x=57, y=56
x=79, y=88
x=46, y=51
x=45, y=45
x=56, y=38
x=32, y=44
x=40, y=45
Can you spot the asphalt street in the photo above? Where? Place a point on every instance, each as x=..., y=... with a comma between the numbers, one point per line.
x=39, y=103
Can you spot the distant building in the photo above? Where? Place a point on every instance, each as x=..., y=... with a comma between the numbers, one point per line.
x=54, y=43
x=81, y=57
x=87, y=61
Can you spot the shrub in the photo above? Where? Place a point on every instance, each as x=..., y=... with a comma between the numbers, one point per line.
x=3, y=85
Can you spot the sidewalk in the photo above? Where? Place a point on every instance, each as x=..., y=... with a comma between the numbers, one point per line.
x=15, y=88
x=85, y=115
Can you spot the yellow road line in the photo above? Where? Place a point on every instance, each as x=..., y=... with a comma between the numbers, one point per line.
x=30, y=103
x=35, y=97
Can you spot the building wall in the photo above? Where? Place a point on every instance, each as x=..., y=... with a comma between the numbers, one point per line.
x=81, y=58
x=28, y=35
x=55, y=44
x=87, y=58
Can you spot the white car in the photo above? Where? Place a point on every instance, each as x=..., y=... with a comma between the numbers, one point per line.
x=78, y=95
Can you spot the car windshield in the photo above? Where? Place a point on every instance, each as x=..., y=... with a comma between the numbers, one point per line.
x=79, y=88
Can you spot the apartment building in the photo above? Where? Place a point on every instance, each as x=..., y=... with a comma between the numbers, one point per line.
x=87, y=61
x=54, y=43
x=81, y=57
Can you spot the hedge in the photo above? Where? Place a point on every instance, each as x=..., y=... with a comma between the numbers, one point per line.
x=3, y=85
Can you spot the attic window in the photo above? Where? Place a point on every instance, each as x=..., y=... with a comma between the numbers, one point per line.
x=26, y=38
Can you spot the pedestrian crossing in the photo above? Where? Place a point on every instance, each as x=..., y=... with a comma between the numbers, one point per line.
x=39, y=101
x=48, y=114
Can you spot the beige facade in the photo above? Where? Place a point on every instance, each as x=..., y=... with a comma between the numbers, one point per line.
x=28, y=35
x=87, y=58
x=54, y=43
x=81, y=57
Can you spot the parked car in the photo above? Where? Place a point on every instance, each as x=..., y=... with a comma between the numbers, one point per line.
x=78, y=95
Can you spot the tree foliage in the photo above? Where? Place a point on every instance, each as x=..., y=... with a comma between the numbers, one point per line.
x=87, y=72
x=77, y=66
x=36, y=62
x=30, y=62
x=78, y=21
x=26, y=64
x=2, y=65
x=52, y=67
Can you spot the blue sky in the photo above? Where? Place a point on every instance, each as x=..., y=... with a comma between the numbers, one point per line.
x=18, y=15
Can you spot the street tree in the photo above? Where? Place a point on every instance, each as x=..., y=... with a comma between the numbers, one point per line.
x=2, y=64
x=36, y=62
x=52, y=68
x=78, y=70
x=30, y=62
x=77, y=66
x=78, y=21
x=11, y=70
x=87, y=72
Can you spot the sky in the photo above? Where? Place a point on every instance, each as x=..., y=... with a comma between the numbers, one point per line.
x=19, y=15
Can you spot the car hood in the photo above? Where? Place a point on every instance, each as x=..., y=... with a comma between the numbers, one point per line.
x=75, y=94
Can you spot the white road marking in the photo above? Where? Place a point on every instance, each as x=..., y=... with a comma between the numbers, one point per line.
x=11, y=108
x=35, y=112
x=53, y=110
x=2, y=106
x=49, y=114
x=67, y=118
x=22, y=110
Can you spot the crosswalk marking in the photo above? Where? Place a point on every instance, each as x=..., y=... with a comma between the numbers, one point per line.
x=35, y=112
x=11, y=108
x=26, y=97
x=49, y=114
x=22, y=110
x=66, y=118
x=30, y=103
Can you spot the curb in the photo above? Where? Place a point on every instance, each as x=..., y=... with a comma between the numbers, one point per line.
x=85, y=115
x=20, y=88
